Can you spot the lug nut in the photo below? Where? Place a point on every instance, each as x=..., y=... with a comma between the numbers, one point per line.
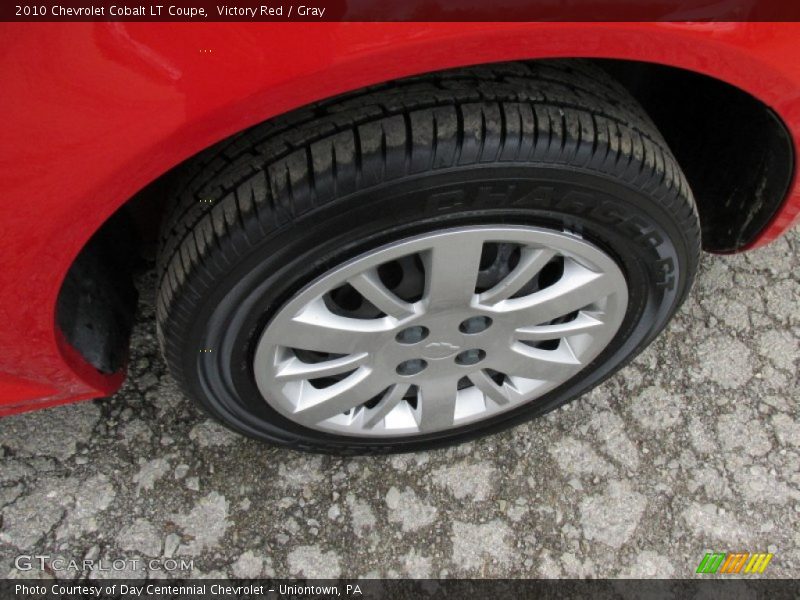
x=411, y=367
x=470, y=357
x=412, y=335
x=475, y=324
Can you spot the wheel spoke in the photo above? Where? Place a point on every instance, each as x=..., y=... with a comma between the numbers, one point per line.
x=531, y=261
x=546, y=365
x=583, y=323
x=436, y=404
x=316, y=328
x=500, y=395
x=369, y=285
x=294, y=368
x=319, y=404
x=579, y=287
x=451, y=272
x=391, y=398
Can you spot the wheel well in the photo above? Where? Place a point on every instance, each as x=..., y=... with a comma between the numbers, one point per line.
x=735, y=151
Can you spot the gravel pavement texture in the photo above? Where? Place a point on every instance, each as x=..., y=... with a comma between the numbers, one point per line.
x=693, y=448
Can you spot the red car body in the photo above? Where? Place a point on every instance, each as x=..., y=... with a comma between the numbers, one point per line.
x=93, y=112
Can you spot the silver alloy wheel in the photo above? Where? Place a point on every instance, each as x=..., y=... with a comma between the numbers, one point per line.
x=499, y=315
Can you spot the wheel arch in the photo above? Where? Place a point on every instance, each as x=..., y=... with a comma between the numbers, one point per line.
x=735, y=202
x=739, y=161
x=172, y=108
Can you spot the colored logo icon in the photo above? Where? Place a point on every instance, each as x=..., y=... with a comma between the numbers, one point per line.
x=732, y=563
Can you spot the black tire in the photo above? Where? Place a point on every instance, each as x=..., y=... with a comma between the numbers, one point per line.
x=554, y=144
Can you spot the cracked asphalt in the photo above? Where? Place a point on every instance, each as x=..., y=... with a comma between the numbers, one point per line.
x=693, y=448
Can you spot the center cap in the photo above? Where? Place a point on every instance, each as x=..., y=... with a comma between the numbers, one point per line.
x=440, y=350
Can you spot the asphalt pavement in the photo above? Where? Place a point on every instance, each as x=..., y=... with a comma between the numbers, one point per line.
x=693, y=448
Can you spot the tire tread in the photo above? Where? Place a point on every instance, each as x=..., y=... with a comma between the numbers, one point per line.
x=260, y=181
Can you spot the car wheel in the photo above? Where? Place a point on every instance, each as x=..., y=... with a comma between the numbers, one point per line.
x=424, y=261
